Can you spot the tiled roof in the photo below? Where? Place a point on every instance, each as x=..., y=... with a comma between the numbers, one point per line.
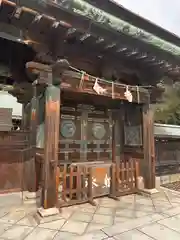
x=165, y=130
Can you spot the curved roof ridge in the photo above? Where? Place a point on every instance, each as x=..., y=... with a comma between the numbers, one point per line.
x=120, y=11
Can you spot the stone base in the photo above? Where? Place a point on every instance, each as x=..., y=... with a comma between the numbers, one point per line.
x=148, y=192
x=31, y=195
x=32, y=198
x=143, y=190
x=48, y=212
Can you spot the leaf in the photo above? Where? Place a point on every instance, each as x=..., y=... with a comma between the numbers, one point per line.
x=169, y=111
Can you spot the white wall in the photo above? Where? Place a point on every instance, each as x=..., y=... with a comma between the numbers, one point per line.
x=8, y=101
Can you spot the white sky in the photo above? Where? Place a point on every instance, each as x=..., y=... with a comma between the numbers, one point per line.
x=165, y=13
x=8, y=101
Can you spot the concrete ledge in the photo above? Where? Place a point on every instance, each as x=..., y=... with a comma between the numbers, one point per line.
x=165, y=179
x=48, y=212
x=170, y=190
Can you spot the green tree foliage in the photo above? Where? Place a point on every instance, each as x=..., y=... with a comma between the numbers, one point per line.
x=168, y=111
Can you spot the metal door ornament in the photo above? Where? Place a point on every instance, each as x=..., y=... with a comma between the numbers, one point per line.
x=68, y=128
x=98, y=130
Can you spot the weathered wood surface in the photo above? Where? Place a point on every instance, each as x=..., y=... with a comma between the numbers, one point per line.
x=148, y=164
x=52, y=121
x=79, y=183
x=32, y=187
x=85, y=134
x=73, y=81
x=5, y=119
x=73, y=185
x=100, y=176
x=15, y=155
x=125, y=177
x=81, y=82
x=85, y=155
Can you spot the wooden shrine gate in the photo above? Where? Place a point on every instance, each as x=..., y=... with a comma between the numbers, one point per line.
x=86, y=169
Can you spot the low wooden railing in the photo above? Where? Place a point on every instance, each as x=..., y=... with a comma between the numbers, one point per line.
x=75, y=181
x=74, y=185
x=124, y=177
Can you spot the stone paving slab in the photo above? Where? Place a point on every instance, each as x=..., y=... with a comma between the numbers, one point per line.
x=172, y=211
x=160, y=232
x=82, y=217
x=131, y=224
x=133, y=234
x=4, y=227
x=74, y=227
x=95, y=226
x=64, y=236
x=41, y=234
x=3, y=212
x=54, y=225
x=105, y=210
x=98, y=235
x=28, y=220
x=102, y=219
x=172, y=222
x=10, y=199
x=13, y=217
x=16, y=232
x=108, y=220
x=109, y=238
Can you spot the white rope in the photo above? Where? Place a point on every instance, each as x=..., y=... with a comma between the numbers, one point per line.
x=110, y=82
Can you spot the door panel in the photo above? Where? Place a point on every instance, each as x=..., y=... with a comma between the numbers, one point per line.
x=85, y=134
x=98, y=136
x=70, y=135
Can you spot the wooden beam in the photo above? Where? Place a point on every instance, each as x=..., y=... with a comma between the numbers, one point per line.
x=71, y=81
x=148, y=163
x=38, y=67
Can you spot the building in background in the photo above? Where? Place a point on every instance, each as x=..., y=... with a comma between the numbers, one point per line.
x=10, y=102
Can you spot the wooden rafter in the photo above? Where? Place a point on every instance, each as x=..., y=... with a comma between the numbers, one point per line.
x=68, y=20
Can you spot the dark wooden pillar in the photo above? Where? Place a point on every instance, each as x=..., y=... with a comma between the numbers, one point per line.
x=50, y=77
x=52, y=121
x=148, y=163
x=31, y=165
x=51, y=139
x=117, y=138
x=24, y=116
x=23, y=120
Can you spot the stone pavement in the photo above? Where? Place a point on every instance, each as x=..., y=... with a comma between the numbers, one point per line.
x=133, y=217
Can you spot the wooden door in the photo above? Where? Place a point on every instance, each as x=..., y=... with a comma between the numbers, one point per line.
x=86, y=136
x=70, y=135
x=98, y=134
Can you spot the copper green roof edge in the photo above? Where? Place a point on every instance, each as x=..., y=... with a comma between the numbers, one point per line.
x=101, y=17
